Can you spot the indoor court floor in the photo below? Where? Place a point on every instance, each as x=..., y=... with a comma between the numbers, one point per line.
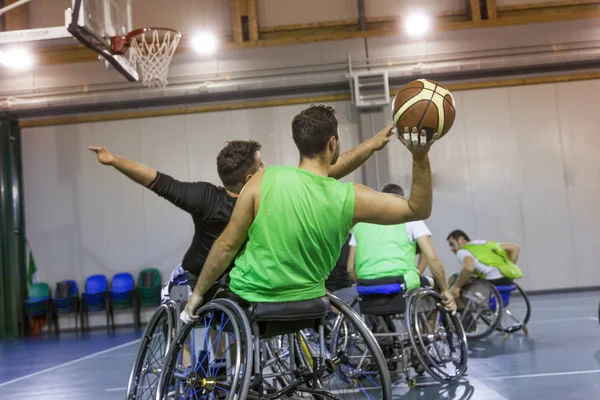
x=560, y=359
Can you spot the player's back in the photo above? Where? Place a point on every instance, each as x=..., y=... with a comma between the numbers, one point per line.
x=302, y=223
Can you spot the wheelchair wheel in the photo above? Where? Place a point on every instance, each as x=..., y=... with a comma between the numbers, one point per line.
x=210, y=357
x=143, y=380
x=437, y=336
x=483, y=309
x=516, y=314
x=355, y=363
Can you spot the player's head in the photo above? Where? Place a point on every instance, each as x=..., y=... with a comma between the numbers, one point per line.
x=393, y=189
x=237, y=162
x=457, y=239
x=315, y=132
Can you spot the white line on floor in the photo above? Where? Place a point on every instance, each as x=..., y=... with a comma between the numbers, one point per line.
x=70, y=362
x=500, y=378
x=548, y=321
x=116, y=389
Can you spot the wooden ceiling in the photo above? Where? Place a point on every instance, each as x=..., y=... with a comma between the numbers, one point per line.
x=473, y=17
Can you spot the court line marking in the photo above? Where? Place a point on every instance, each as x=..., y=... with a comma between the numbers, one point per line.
x=499, y=378
x=115, y=389
x=99, y=353
x=548, y=321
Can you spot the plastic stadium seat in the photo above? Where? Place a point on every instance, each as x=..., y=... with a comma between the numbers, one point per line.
x=38, y=302
x=96, y=298
x=65, y=301
x=149, y=286
x=123, y=294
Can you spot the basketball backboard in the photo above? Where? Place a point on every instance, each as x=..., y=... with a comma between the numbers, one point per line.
x=95, y=22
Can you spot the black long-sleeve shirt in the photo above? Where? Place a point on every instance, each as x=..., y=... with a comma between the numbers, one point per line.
x=210, y=207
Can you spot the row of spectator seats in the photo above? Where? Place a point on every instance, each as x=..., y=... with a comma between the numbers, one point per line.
x=122, y=293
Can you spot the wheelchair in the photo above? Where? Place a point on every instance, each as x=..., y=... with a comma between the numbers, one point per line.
x=414, y=330
x=154, y=345
x=241, y=350
x=489, y=308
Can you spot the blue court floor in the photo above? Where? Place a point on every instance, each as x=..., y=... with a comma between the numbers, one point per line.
x=560, y=359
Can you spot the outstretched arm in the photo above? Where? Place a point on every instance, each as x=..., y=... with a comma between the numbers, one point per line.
x=512, y=250
x=437, y=270
x=192, y=197
x=351, y=160
x=227, y=244
x=135, y=171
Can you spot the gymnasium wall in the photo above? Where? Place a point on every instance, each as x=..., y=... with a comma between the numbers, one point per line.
x=521, y=164
x=84, y=218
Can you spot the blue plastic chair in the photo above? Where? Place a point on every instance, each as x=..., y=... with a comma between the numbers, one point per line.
x=65, y=303
x=123, y=294
x=96, y=298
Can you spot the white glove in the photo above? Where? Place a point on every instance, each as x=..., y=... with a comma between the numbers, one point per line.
x=185, y=317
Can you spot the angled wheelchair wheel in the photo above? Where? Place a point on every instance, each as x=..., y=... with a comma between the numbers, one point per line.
x=515, y=315
x=483, y=309
x=356, y=366
x=210, y=357
x=437, y=336
x=148, y=365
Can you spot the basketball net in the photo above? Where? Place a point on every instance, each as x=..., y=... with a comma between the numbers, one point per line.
x=152, y=51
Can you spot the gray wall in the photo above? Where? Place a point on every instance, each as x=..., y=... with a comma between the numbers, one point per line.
x=521, y=165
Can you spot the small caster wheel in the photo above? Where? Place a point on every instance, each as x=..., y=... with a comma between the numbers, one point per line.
x=505, y=335
x=412, y=383
x=526, y=331
x=419, y=369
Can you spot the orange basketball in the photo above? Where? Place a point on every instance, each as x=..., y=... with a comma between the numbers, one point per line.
x=424, y=104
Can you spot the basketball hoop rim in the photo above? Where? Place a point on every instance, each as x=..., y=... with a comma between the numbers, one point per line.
x=120, y=42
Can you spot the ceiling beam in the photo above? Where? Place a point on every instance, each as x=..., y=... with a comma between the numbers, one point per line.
x=252, y=9
x=492, y=12
x=347, y=30
x=236, y=19
x=17, y=18
x=475, y=10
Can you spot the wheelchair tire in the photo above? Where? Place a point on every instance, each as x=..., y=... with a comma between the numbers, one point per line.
x=241, y=334
x=380, y=362
x=492, y=324
x=162, y=318
x=416, y=301
x=518, y=327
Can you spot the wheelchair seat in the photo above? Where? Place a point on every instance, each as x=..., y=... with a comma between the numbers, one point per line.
x=505, y=292
x=280, y=318
x=382, y=296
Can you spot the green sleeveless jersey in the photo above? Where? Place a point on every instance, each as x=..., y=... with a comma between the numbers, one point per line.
x=386, y=250
x=296, y=238
x=493, y=255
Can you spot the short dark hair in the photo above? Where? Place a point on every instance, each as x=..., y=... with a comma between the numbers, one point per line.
x=235, y=161
x=457, y=234
x=313, y=128
x=394, y=189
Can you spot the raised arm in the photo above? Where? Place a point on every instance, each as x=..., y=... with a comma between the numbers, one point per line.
x=227, y=245
x=512, y=250
x=389, y=209
x=135, y=171
x=349, y=161
x=191, y=197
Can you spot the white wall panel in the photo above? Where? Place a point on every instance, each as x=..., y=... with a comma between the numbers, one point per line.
x=291, y=12
x=535, y=124
x=579, y=122
x=398, y=8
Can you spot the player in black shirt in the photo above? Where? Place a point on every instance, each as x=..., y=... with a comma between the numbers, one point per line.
x=211, y=206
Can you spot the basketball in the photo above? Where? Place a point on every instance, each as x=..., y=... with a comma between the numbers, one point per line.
x=426, y=105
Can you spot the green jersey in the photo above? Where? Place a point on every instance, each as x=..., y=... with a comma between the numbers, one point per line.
x=386, y=250
x=296, y=238
x=491, y=254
